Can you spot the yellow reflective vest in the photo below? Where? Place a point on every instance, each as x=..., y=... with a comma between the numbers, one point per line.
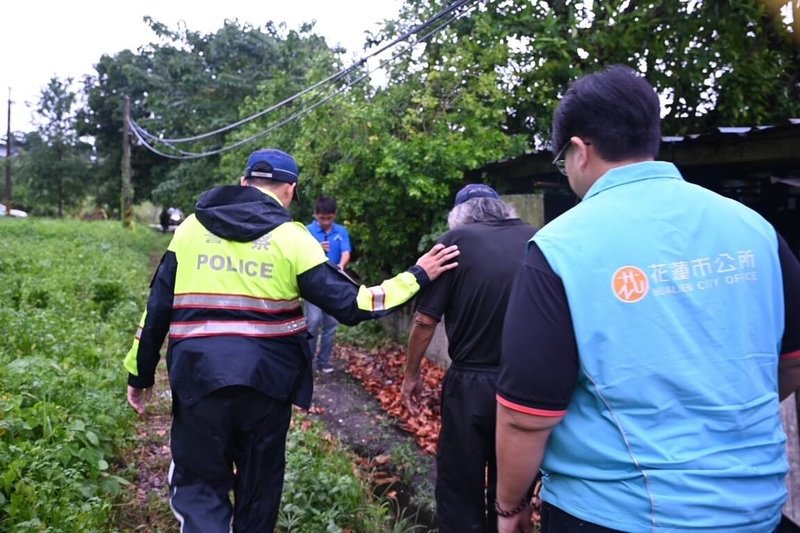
x=232, y=307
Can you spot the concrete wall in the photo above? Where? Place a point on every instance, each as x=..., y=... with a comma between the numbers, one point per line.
x=397, y=325
x=530, y=207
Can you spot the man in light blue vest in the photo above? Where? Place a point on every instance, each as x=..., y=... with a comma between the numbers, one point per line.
x=651, y=333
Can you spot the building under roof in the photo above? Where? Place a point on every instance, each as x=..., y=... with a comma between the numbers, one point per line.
x=758, y=166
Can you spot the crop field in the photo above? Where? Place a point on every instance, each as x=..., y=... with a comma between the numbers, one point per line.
x=71, y=295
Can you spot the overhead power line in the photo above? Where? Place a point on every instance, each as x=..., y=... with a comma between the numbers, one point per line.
x=184, y=155
x=145, y=138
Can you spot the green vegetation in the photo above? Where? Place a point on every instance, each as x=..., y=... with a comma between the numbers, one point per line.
x=71, y=294
x=368, y=335
x=480, y=89
x=70, y=298
x=323, y=490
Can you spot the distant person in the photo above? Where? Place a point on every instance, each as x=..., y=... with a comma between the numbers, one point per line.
x=335, y=241
x=175, y=216
x=651, y=333
x=472, y=299
x=228, y=293
x=169, y=217
x=163, y=220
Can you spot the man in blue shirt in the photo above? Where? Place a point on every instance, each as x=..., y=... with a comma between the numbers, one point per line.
x=336, y=242
x=651, y=333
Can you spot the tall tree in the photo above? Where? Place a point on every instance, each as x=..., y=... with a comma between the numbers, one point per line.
x=187, y=84
x=714, y=63
x=118, y=75
x=393, y=156
x=55, y=171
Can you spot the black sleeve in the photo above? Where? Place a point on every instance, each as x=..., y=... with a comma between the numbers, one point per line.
x=790, y=270
x=433, y=299
x=539, y=361
x=333, y=291
x=156, y=324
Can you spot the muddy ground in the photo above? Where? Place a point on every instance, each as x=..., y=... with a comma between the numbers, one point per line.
x=350, y=414
x=356, y=419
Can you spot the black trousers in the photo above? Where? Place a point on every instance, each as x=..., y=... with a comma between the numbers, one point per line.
x=554, y=520
x=231, y=426
x=466, y=467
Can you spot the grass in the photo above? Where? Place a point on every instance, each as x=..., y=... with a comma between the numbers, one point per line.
x=71, y=294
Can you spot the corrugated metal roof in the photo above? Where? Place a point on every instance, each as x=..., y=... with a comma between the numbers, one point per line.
x=741, y=131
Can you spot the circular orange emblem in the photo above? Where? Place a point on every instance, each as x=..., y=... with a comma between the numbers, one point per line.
x=629, y=284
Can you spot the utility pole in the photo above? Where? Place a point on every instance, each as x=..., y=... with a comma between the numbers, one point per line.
x=8, y=158
x=126, y=200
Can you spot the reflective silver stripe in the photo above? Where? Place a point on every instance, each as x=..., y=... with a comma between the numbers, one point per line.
x=172, y=496
x=244, y=328
x=378, y=298
x=233, y=301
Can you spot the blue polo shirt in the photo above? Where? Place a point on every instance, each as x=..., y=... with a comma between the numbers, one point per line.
x=338, y=238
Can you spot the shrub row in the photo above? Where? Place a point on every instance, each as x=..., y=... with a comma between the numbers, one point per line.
x=71, y=294
x=70, y=297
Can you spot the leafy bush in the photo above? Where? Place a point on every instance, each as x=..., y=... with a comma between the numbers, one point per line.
x=67, y=317
x=323, y=491
x=369, y=334
x=106, y=295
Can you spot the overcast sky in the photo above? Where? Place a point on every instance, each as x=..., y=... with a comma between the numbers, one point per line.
x=46, y=38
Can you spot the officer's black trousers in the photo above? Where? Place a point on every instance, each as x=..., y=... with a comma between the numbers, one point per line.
x=466, y=471
x=231, y=426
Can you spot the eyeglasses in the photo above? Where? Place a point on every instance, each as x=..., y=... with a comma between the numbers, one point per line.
x=560, y=161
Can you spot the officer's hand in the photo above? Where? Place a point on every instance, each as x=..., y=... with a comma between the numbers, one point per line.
x=138, y=398
x=438, y=260
x=410, y=392
x=326, y=246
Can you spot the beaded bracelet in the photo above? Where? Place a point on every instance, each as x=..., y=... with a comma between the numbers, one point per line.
x=513, y=512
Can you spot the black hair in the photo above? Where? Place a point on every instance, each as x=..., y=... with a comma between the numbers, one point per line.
x=325, y=206
x=615, y=109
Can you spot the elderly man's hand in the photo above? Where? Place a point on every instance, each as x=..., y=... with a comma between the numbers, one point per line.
x=138, y=398
x=438, y=260
x=410, y=391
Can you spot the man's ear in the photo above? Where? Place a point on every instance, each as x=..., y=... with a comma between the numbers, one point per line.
x=242, y=181
x=581, y=156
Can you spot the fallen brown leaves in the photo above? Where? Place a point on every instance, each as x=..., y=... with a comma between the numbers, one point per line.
x=146, y=507
x=380, y=371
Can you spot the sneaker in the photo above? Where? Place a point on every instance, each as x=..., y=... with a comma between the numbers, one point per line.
x=326, y=369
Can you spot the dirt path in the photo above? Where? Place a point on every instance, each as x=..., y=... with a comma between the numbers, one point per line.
x=351, y=414
x=149, y=461
x=358, y=420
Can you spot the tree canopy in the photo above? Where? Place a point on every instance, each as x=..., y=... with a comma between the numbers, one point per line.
x=476, y=87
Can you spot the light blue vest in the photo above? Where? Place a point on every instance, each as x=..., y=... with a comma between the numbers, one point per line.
x=676, y=297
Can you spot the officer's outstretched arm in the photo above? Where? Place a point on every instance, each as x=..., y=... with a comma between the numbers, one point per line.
x=327, y=287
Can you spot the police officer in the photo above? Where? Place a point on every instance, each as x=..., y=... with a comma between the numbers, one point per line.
x=228, y=293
